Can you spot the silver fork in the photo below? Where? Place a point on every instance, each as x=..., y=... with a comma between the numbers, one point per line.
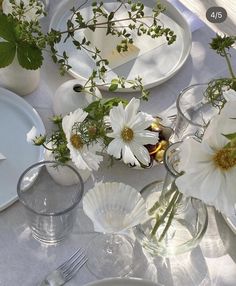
x=66, y=271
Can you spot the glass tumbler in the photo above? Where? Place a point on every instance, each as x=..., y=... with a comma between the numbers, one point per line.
x=50, y=206
x=194, y=112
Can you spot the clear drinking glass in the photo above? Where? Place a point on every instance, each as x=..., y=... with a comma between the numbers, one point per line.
x=50, y=206
x=193, y=112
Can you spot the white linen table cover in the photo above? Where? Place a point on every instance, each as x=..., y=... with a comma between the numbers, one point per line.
x=24, y=261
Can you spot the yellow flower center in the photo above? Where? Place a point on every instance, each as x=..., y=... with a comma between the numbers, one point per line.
x=224, y=159
x=76, y=141
x=127, y=134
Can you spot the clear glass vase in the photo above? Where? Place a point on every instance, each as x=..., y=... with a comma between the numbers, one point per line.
x=194, y=111
x=175, y=224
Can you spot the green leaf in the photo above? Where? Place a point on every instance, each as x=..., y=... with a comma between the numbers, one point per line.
x=7, y=29
x=115, y=81
x=231, y=136
x=7, y=53
x=29, y=57
x=113, y=87
x=111, y=16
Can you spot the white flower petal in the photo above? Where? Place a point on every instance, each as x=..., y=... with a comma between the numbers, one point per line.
x=114, y=148
x=227, y=197
x=30, y=136
x=199, y=185
x=141, y=153
x=141, y=121
x=192, y=153
x=116, y=135
x=128, y=156
x=86, y=157
x=92, y=160
x=146, y=137
x=220, y=124
x=131, y=109
x=69, y=120
x=78, y=160
x=117, y=117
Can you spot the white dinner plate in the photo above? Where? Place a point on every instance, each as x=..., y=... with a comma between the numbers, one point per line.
x=17, y=117
x=154, y=67
x=123, y=282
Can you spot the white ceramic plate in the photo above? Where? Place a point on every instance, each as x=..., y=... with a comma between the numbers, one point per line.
x=123, y=282
x=155, y=66
x=16, y=118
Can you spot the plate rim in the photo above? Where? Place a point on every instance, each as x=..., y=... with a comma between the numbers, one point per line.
x=230, y=223
x=152, y=84
x=109, y=281
x=40, y=126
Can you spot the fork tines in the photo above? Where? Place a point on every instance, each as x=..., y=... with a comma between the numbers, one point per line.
x=73, y=264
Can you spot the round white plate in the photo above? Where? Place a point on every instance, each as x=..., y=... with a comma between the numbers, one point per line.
x=17, y=117
x=154, y=67
x=123, y=282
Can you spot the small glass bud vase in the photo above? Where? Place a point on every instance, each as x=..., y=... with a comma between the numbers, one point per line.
x=175, y=223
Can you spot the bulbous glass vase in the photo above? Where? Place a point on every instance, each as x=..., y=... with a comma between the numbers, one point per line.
x=175, y=224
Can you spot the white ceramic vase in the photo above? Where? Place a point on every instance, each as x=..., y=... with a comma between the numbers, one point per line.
x=19, y=80
x=62, y=175
x=69, y=96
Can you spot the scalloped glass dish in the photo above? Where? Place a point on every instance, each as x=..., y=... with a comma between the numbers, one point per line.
x=154, y=66
x=17, y=117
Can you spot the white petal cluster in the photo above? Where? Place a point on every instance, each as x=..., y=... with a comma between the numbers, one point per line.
x=84, y=157
x=202, y=178
x=131, y=151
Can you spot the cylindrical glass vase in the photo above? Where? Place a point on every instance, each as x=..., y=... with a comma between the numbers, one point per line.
x=175, y=224
x=194, y=111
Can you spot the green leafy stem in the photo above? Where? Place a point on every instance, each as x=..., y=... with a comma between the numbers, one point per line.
x=216, y=87
x=26, y=40
x=165, y=210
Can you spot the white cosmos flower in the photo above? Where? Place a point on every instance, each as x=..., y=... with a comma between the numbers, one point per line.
x=130, y=134
x=230, y=95
x=210, y=174
x=83, y=156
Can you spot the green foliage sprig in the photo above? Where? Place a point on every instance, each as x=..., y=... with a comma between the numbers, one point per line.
x=26, y=40
x=216, y=87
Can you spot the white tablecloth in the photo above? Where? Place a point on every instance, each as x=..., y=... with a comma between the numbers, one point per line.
x=24, y=261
